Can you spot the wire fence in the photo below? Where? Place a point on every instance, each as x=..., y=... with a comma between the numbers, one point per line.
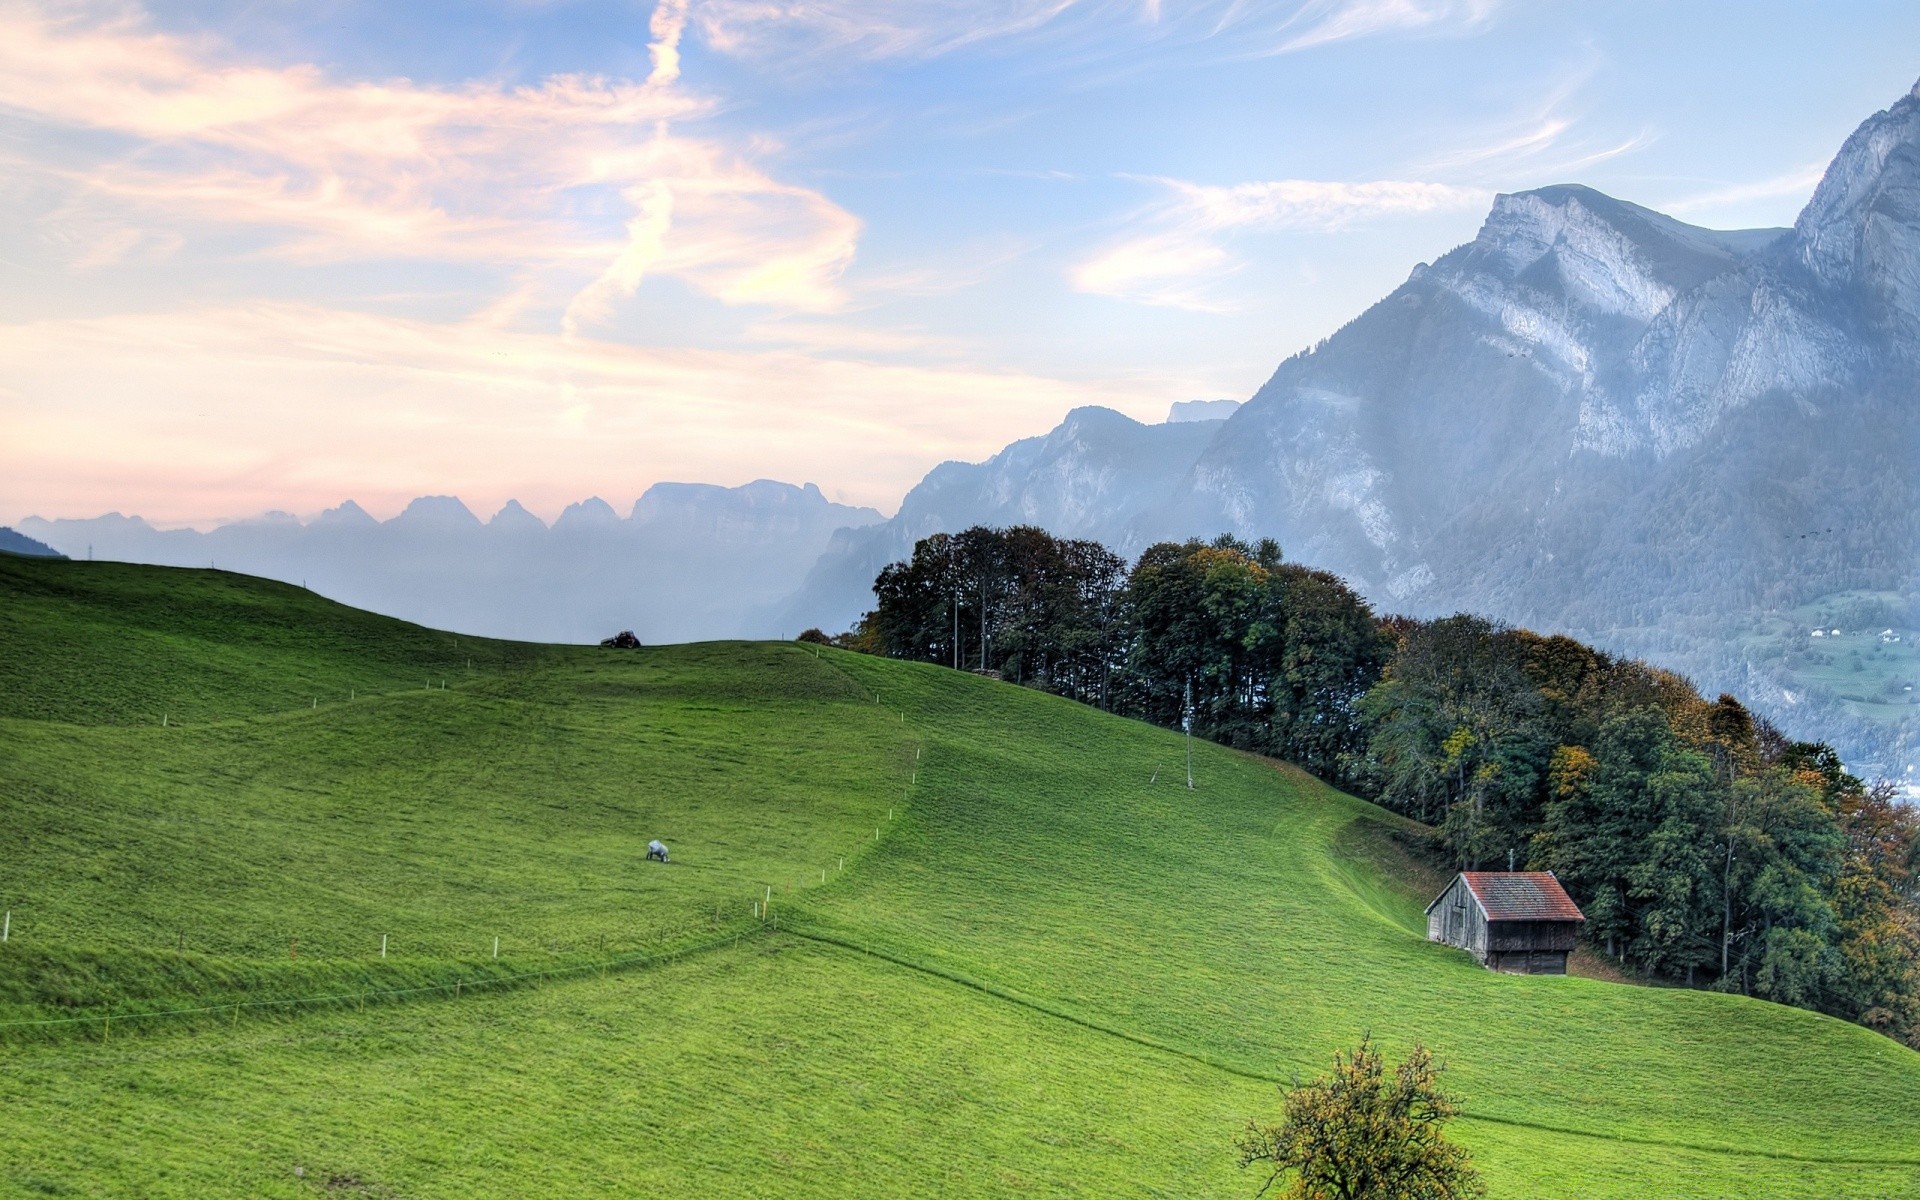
x=459, y=986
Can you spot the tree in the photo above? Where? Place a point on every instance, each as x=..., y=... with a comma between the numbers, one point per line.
x=1459, y=736
x=1360, y=1134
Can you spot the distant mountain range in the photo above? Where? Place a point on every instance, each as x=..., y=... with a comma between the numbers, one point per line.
x=688, y=563
x=1692, y=445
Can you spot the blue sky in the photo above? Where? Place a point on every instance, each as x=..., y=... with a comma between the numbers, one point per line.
x=271, y=255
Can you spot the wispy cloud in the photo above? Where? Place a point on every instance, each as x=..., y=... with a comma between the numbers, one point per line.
x=1542, y=141
x=332, y=170
x=1795, y=184
x=884, y=29
x=1183, y=247
x=873, y=29
x=1323, y=22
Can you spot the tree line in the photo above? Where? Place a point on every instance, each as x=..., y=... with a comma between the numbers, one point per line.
x=1704, y=845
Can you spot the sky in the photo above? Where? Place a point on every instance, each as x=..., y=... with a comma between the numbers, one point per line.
x=264, y=255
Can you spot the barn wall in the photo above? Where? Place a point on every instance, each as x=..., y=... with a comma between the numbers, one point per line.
x=1452, y=920
x=1512, y=936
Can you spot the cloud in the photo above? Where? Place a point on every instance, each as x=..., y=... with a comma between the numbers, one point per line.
x=668, y=22
x=184, y=140
x=872, y=29
x=1183, y=250
x=385, y=408
x=830, y=31
x=1323, y=22
x=1539, y=140
x=1797, y=184
x=1168, y=269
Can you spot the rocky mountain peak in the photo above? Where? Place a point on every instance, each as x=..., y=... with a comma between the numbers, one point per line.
x=514, y=516
x=591, y=513
x=1611, y=257
x=1861, y=230
x=446, y=512
x=346, y=515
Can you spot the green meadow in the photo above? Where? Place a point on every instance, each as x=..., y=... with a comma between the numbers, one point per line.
x=1007, y=951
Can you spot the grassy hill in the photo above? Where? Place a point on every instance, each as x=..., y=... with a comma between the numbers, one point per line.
x=1054, y=971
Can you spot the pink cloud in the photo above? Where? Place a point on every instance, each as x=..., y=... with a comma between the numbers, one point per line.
x=342, y=170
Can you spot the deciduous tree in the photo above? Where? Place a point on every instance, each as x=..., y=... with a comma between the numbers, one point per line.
x=1362, y=1133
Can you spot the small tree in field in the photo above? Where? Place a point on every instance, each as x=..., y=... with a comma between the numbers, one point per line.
x=1362, y=1134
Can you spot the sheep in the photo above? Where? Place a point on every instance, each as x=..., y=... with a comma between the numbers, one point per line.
x=657, y=851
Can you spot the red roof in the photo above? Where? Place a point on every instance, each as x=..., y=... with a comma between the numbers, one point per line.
x=1521, y=896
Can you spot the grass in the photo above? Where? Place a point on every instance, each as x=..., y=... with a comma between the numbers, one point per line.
x=266, y=855
x=1873, y=675
x=1052, y=975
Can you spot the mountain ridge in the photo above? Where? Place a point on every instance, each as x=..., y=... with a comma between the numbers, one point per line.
x=1594, y=418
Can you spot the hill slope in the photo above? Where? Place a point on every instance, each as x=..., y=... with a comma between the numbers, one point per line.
x=1054, y=971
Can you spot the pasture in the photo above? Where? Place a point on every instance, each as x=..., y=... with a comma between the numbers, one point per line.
x=1009, y=952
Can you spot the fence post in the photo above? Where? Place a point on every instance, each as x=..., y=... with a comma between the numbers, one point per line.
x=496, y=947
x=383, y=945
x=6, y=926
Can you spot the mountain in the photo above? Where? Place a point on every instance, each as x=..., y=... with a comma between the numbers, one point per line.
x=1677, y=442
x=1202, y=410
x=14, y=542
x=689, y=563
x=1097, y=475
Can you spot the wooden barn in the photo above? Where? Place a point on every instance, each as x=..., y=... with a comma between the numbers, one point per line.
x=1522, y=922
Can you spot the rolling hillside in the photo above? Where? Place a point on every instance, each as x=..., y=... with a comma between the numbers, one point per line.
x=1010, y=953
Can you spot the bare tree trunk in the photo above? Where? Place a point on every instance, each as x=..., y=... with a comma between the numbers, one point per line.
x=983, y=622
x=1726, y=909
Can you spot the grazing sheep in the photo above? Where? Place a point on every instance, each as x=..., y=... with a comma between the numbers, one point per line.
x=657, y=851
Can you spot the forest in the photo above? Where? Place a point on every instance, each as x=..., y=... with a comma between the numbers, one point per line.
x=1706, y=847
